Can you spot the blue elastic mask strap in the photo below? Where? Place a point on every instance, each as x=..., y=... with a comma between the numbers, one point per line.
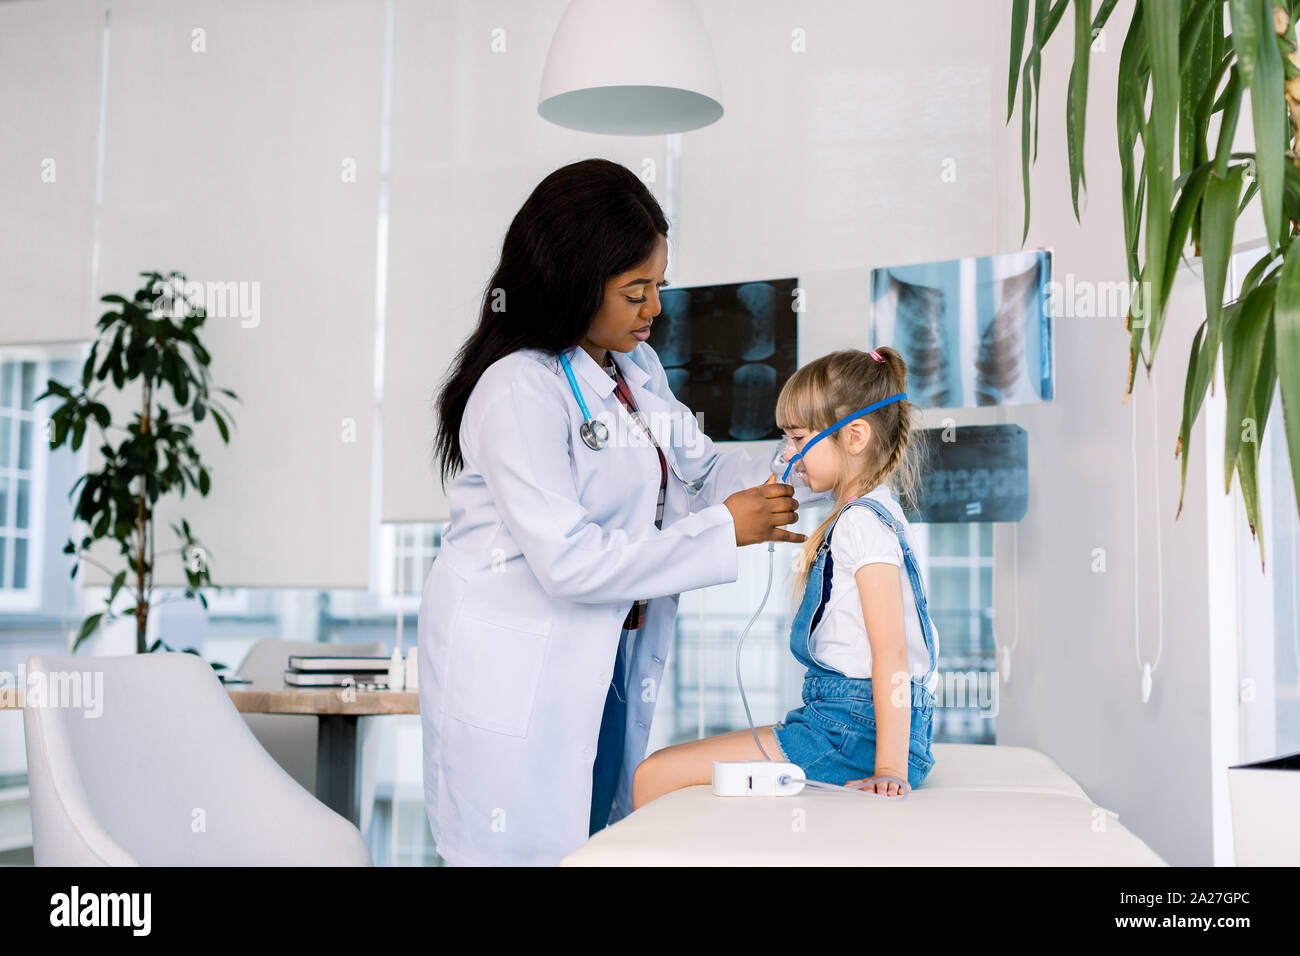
x=840, y=424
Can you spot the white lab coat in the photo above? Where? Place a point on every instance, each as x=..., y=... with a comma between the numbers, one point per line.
x=548, y=545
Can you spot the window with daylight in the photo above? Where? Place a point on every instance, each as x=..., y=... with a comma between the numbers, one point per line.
x=21, y=441
x=408, y=552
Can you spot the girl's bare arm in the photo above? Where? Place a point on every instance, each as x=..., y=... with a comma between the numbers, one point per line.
x=882, y=610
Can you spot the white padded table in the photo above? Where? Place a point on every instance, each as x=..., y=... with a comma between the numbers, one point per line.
x=980, y=806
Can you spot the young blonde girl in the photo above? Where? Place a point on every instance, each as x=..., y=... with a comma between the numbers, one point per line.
x=862, y=626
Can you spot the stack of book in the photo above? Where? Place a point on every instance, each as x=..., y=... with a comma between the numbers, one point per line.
x=314, y=671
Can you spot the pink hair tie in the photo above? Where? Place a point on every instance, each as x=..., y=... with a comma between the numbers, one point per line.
x=875, y=355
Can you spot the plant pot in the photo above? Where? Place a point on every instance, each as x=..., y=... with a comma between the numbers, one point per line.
x=1265, y=825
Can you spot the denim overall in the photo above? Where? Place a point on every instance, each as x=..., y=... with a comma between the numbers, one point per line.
x=833, y=736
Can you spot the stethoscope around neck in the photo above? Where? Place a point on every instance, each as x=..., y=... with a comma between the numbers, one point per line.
x=595, y=433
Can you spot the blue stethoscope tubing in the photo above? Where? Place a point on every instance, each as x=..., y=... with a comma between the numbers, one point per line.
x=595, y=433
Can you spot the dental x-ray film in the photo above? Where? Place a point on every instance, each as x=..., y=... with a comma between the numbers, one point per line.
x=727, y=350
x=974, y=331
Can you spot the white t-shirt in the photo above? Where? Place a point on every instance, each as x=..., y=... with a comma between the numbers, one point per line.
x=840, y=639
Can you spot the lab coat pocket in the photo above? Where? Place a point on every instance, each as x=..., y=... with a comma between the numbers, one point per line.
x=494, y=669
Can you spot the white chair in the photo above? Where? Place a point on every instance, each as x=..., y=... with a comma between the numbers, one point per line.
x=143, y=760
x=291, y=738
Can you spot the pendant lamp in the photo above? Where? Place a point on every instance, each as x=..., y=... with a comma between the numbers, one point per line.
x=631, y=68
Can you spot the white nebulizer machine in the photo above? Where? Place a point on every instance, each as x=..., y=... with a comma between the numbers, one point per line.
x=768, y=777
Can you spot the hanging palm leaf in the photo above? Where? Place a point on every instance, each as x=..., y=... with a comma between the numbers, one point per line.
x=1190, y=60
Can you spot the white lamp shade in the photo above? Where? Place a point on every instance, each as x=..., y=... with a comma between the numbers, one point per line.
x=632, y=68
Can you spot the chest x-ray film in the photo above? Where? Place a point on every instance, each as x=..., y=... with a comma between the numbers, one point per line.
x=727, y=350
x=972, y=473
x=973, y=331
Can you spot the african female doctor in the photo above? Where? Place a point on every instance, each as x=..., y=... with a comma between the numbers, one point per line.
x=547, y=617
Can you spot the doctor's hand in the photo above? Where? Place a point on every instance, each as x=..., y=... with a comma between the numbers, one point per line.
x=758, y=513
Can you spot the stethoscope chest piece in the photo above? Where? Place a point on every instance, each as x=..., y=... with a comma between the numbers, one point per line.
x=594, y=434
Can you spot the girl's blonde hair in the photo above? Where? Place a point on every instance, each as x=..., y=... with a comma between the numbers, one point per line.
x=825, y=390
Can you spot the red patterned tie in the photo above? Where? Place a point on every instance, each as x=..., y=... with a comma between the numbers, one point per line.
x=636, y=616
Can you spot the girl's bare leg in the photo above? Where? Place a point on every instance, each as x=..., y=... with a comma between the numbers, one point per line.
x=691, y=763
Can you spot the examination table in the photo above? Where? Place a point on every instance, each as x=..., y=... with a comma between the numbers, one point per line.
x=980, y=806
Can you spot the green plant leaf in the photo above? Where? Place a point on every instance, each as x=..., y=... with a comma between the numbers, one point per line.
x=1250, y=194
x=1076, y=99
x=1291, y=192
x=1042, y=14
x=1025, y=102
x=87, y=628
x=1260, y=272
x=1246, y=35
x=1267, y=104
x=1019, y=18
x=1194, y=48
x=118, y=580
x=1248, y=458
x=1286, y=338
x=221, y=426
x=1218, y=219
x=1228, y=124
x=1136, y=323
x=1198, y=374
x=1158, y=146
x=1189, y=202
x=1129, y=107
x=1243, y=343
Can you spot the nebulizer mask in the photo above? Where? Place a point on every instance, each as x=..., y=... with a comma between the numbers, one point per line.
x=787, y=463
x=788, y=457
x=776, y=778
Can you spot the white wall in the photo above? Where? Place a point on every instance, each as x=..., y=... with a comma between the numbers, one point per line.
x=467, y=149
x=50, y=62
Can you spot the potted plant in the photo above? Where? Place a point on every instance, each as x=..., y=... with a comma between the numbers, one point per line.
x=1188, y=189
x=149, y=342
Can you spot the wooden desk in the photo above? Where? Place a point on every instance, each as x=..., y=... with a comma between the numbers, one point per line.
x=338, y=785
x=336, y=709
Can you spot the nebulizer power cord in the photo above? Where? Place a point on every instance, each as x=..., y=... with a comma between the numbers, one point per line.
x=784, y=780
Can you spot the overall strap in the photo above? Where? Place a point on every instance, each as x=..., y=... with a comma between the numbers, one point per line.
x=828, y=567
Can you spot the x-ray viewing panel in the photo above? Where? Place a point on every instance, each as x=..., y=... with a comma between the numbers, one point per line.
x=727, y=350
x=980, y=474
x=973, y=331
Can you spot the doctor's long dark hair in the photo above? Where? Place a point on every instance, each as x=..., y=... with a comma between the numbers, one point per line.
x=583, y=224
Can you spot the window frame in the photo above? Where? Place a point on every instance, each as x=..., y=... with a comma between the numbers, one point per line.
x=389, y=600
x=28, y=598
